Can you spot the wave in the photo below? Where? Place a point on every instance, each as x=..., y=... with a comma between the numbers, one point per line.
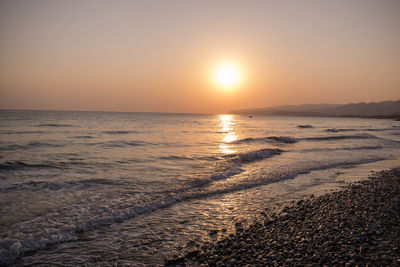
x=55, y=125
x=235, y=162
x=282, y=139
x=335, y=130
x=30, y=145
x=257, y=155
x=22, y=132
x=40, y=185
x=83, y=137
x=174, y=157
x=120, y=144
x=342, y=148
x=377, y=130
x=276, y=139
x=124, y=143
x=280, y=176
x=119, y=132
x=75, y=164
x=339, y=137
x=17, y=165
x=292, y=140
x=210, y=158
x=305, y=126
x=228, y=172
x=11, y=248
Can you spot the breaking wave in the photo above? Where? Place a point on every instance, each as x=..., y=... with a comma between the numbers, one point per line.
x=251, y=156
x=11, y=248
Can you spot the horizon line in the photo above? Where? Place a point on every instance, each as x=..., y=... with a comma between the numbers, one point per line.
x=113, y=111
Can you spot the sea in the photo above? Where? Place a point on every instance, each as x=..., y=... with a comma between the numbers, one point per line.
x=131, y=189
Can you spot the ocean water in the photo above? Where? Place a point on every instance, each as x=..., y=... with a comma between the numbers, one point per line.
x=133, y=188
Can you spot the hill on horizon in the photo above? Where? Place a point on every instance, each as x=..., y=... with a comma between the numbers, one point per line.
x=362, y=109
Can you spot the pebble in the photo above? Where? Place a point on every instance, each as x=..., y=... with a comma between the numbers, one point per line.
x=357, y=226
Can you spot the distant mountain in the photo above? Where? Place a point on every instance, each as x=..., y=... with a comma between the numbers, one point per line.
x=372, y=109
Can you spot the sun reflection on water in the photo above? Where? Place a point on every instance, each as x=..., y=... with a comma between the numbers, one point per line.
x=229, y=137
x=227, y=127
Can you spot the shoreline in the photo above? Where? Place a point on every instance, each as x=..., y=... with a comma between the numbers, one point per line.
x=357, y=225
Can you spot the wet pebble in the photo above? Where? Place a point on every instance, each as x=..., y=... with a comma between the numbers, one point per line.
x=357, y=226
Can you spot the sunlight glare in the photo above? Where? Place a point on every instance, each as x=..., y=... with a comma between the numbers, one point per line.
x=227, y=75
x=227, y=125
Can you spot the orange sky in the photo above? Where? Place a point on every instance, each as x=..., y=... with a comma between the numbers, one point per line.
x=158, y=55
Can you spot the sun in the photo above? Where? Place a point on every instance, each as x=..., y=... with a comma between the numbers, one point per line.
x=227, y=75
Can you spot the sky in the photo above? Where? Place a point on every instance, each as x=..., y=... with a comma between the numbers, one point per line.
x=159, y=56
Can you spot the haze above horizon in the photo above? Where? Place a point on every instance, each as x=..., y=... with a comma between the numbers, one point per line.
x=155, y=56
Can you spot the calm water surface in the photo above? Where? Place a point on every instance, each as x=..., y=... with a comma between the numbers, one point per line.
x=131, y=188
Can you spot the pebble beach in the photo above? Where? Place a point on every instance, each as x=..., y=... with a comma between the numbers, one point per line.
x=358, y=225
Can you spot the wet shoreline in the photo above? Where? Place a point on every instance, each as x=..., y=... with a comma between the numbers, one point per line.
x=358, y=225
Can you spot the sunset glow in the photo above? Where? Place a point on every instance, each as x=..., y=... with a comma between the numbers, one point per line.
x=214, y=57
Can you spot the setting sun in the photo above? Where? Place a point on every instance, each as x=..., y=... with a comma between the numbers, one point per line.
x=227, y=75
